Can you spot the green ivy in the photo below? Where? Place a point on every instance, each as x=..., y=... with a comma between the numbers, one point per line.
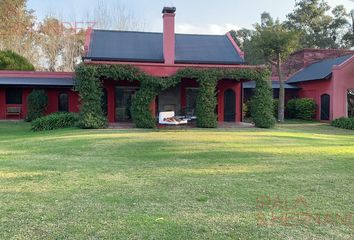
x=89, y=85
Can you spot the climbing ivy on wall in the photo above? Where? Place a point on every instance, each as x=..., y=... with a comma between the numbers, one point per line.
x=89, y=85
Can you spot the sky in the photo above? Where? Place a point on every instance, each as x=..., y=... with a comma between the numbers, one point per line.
x=192, y=16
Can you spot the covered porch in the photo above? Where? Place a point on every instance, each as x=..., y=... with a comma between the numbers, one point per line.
x=181, y=99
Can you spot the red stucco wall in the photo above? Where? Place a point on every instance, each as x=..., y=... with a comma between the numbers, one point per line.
x=224, y=85
x=343, y=79
x=314, y=90
x=52, y=101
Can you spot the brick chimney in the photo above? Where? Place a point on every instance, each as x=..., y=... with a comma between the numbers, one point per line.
x=169, y=34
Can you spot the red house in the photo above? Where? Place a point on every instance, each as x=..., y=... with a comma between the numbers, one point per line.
x=324, y=75
x=157, y=54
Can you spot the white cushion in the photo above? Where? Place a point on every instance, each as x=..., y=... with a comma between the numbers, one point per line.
x=164, y=115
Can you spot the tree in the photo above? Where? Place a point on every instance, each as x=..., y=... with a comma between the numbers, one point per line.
x=10, y=60
x=37, y=102
x=318, y=29
x=275, y=43
x=51, y=41
x=340, y=27
x=348, y=38
x=17, y=29
x=115, y=17
x=73, y=48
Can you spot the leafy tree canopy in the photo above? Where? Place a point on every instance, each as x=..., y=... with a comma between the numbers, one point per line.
x=10, y=60
x=319, y=27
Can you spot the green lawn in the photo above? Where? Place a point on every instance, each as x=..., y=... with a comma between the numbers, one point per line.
x=292, y=182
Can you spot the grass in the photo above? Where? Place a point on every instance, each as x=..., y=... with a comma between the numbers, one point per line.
x=292, y=182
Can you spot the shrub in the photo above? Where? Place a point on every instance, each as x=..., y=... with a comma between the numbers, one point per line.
x=262, y=106
x=37, y=102
x=55, y=121
x=206, y=102
x=10, y=60
x=346, y=123
x=301, y=108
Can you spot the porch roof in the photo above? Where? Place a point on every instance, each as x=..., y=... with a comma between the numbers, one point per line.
x=37, y=81
x=275, y=85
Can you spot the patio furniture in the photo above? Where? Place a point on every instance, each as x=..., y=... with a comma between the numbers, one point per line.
x=13, y=111
x=169, y=118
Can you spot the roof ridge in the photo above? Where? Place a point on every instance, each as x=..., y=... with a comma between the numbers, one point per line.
x=125, y=31
x=330, y=59
x=143, y=32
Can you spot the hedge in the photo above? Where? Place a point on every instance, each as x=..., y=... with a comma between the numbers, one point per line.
x=88, y=83
x=346, y=123
x=301, y=108
x=37, y=102
x=262, y=106
x=55, y=121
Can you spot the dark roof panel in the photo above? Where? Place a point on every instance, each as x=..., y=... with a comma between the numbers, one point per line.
x=148, y=47
x=29, y=81
x=126, y=46
x=205, y=49
x=319, y=70
x=275, y=85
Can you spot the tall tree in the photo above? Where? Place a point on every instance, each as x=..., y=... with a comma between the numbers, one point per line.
x=310, y=18
x=275, y=43
x=51, y=41
x=318, y=28
x=17, y=29
x=115, y=17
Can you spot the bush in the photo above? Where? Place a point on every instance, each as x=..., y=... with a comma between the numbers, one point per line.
x=206, y=103
x=55, y=121
x=301, y=108
x=37, y=102
x=10, y=60
x=346, y=123
x=262, y=105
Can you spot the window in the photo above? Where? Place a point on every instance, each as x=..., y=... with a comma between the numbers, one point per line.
x=13, y=96
x=63, y=102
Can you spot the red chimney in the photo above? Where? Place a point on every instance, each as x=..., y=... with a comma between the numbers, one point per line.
x=169, y=34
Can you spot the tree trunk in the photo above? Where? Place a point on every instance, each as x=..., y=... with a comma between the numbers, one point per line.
x=281, y=105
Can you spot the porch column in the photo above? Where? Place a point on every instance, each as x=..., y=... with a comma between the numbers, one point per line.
x=239, y=101
x=111, y=103
x=153, y=107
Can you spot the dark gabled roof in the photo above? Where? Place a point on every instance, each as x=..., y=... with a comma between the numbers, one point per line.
x=319, y=70
x=275, y=85
x=148, y=47
x=37, y=81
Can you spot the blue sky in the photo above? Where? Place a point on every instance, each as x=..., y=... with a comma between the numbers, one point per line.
x=193, y=16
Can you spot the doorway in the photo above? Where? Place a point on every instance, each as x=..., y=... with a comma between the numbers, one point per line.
x=124, y=98
x=229, y=106
x=325, y=107
x=350, y=102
